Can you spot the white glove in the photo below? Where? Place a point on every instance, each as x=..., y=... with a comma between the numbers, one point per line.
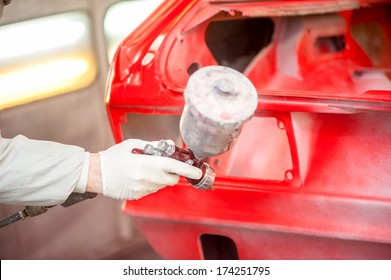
x=131, y=176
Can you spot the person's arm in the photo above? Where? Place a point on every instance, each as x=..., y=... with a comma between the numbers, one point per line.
x=94, y=182
x=34, y=172
x=45, y=173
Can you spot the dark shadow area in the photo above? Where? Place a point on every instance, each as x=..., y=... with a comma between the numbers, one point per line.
x=217, y=247
x=235, y=43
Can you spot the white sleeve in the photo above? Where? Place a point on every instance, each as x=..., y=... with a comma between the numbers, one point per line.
x=43, y=173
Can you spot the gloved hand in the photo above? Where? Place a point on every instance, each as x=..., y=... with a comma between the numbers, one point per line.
x=131, y=176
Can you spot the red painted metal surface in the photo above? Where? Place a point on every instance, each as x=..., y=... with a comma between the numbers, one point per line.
x=309, y=177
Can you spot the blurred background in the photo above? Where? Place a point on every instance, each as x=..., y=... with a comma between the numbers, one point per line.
x=54, y=59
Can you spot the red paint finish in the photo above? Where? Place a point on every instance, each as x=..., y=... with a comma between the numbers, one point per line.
x=309, y=177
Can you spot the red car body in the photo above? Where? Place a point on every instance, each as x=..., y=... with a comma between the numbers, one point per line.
x=310, y=175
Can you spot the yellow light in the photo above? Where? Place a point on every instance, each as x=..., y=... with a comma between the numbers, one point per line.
x=44, y=57
x=46, y=79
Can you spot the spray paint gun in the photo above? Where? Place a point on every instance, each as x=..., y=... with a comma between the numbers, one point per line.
x=218, y=101
x=167, y=149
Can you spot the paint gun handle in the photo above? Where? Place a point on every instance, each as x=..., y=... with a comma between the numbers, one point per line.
x=169, y=150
